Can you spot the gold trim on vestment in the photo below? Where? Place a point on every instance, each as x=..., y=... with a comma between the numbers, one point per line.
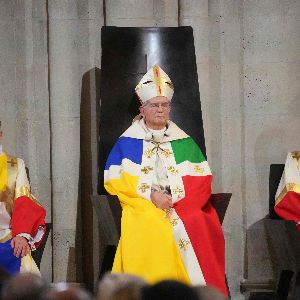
x=289, y=187
x=296, y=156
x=12, y=173
x=6, y=238
x=24, y=190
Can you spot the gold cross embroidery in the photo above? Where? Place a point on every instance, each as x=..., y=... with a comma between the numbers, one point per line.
x=172, y=170
x=168, y=212
x=178, y=191
x=12, y=162
x=149, y=153
x=174, y=222
x=146, y=169
x=157, y=147
x=183, y=244
x=296, y=155
x=143, y=187
x=198, y=169
x=166, y=153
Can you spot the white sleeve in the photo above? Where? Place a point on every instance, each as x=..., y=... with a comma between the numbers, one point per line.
x=33, y=240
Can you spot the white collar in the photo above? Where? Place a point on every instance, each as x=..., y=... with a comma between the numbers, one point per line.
x=157, y=131
x=138, y=130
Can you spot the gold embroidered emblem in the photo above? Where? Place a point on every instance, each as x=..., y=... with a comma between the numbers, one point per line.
x=198, y=169
x=166, y=153
x=146, y=169
x=178, y=191
x=143, y=187
x=183, y=244
x=168, y=212
x=172, y=170
x=296, y=155
x=12, y=162
x=149, y=153
x=174, y=222
x=157, y=147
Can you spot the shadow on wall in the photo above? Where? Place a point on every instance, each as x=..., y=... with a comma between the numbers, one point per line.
x=89, y=130
x=72, y=268
x=273, y=246
x=269, y=149
x=263, y=252
x=293, y=106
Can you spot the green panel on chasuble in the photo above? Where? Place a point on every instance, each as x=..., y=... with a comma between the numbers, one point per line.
x=187, y=149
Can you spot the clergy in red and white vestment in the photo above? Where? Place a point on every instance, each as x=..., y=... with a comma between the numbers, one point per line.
x=287, y=199
x=22, y=218
x=169, y=228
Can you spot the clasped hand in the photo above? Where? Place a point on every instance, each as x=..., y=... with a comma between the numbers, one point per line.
x=20, y=246
x=160, y=200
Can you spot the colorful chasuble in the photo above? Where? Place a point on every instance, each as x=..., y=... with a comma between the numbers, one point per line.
x=20, y=214
x=287, y=199
x=184, y=243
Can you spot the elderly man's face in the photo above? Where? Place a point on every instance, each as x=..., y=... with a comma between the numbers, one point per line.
x=156, y=112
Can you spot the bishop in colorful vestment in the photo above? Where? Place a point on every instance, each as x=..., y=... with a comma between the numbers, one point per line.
x=169, y=228
x=287, y=198
x=22, y=224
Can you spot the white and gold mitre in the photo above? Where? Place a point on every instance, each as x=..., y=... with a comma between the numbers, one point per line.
x=154, y=83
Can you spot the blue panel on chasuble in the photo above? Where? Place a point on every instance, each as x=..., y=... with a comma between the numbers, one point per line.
x=128, y=148
x=8, y=261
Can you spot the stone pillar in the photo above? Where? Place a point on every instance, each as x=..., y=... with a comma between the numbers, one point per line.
x=74, y=50
x=226, y=75
x=65, y=134
x=90, y=72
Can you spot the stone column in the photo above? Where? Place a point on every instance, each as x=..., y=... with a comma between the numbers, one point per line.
x=74, y=51
x=226, y=75
x=91, y=20
x=65, y=134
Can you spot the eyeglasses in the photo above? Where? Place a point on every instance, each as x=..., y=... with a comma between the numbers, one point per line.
x=164, y=105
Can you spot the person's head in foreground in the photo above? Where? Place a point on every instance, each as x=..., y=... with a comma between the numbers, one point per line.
x=155, y=91
x=25, y=286
x=67, y=291
x=114, y=286
x=169, y=290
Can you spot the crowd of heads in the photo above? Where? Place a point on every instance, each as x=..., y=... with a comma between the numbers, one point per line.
x=113, y=286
